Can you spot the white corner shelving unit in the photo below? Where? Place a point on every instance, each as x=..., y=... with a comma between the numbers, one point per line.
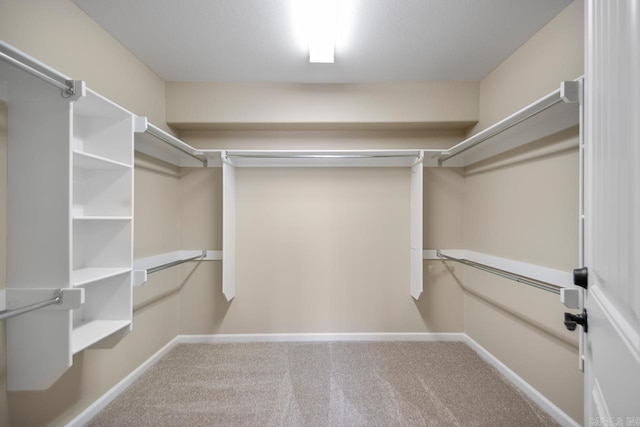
x=70, y=222
x=102, y=212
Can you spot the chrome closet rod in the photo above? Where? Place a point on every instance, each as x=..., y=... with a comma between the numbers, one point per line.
x=319, y=156
x=56, y=299
x=67, y=87
x=199, y=158
x=449, y=154
x=174, y=263
x=520, y=279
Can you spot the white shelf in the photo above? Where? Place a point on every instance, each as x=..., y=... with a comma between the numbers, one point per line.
x=89, y=275
x=553, y=113
x=101, y=218
x=94, y=105
x=560, y=278
x=94, y=162
x=90, y=333
x=159, y=144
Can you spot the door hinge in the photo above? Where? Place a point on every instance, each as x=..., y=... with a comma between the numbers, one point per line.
x=581, y=277
x=572, y=320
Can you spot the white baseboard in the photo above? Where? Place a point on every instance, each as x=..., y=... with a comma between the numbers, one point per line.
x=92, y=410
x=556, y=413
x=516, y=380
x=302, y=337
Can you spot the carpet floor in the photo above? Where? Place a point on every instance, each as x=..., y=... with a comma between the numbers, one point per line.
x=322, y=384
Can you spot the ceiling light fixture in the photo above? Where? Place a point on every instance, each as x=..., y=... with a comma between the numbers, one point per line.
x=321, y=23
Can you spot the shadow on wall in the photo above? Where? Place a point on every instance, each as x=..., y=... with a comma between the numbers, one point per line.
x=440, y=305
x=203, y=307
x=524, y=319
x=222, y=305
x=541, y=149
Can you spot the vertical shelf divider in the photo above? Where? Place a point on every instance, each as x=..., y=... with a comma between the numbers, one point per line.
x=415, y=227
x=228, y=228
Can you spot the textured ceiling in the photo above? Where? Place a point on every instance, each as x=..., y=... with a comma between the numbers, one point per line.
x=378, y=40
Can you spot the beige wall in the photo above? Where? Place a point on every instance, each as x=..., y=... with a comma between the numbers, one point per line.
x=157, y=227
x=318, y=250
x=321, y=250
x=157, y=230
x=57, y=33
x=523, y=205
x=204, y=310
x=552, y=55
x=527, y=211
x=445, y=104
x=322, y=139
x=346, y=230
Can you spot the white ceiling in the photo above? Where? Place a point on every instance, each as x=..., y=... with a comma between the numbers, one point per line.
x=378, y=40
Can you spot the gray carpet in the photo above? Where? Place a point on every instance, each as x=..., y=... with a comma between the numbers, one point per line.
x=322, y=384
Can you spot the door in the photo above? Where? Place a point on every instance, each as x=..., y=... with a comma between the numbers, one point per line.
x=612, y=212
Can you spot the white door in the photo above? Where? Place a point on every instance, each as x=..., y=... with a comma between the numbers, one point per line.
x=612, y=212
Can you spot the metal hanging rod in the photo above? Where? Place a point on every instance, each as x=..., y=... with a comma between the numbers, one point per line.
x=67, y=86
x=550, y=100
x=319, y=156
x=520, y=279
x=56, y=299
x=174, y=263
x=157, y=133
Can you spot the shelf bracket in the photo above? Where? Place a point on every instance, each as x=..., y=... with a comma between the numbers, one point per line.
x=76, y=90
x=570, y=91
x=20, y=301
x=145, y=266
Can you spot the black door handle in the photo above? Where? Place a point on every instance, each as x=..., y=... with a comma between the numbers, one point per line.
x=572, y=320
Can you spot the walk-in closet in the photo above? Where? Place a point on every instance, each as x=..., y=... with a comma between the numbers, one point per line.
x=213, y=216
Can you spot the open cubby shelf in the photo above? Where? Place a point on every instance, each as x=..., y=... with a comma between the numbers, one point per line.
x=84, y=276
x=86, y=334
x=102, y=213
